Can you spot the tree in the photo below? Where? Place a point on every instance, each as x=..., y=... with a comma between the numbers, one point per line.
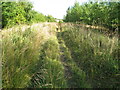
x=50, y=18
x=12, y=14
x=101, y=14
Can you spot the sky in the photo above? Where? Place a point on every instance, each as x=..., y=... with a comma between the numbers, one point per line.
x=56, y=8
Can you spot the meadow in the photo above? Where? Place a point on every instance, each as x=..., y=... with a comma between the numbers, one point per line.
x=38, y=56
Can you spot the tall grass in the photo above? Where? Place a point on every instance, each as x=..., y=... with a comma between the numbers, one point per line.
x=51, y=71
x=31, y=57
x=75, y=76
x=20, y=54
x=23, y=48
x=95, y=54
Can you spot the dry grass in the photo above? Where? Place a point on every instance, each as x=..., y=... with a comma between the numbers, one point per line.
x=31, y=57
x=94, y=53
x=21, y=52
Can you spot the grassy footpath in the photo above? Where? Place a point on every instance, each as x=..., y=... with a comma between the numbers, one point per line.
x=75, y=77
x=36, y=56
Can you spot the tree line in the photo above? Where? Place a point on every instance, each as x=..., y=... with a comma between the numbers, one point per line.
x=94, y=13
x=15, y=13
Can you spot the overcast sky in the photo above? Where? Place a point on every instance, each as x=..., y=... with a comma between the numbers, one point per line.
x=56, y=8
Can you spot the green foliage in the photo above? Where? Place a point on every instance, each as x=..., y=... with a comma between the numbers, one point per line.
x=31, y=60
x=49, y=18
x=37, y=17
x=15, y=13
x=12, y=14
x=103, y=14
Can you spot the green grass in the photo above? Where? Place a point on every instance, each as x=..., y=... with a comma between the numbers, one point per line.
x=76, y=78
x=22, y=58
x=20, y=54
x=51, y=71
x=93, y=53
x=38, y=57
